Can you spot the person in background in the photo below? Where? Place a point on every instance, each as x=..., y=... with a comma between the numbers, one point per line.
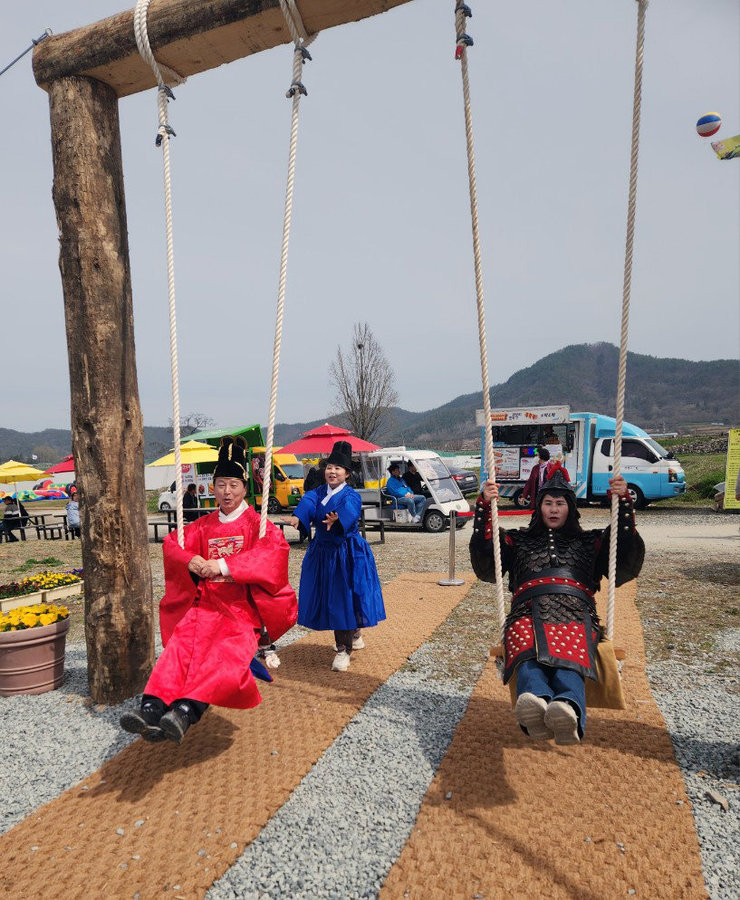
x=73, y=513
x=551, y=633
x=339, y=590
x=413, y=479
x=397, y=488
x=226, y=595
x=15, y=517
x=541, y=472
x=315, y=477
x=190, y=503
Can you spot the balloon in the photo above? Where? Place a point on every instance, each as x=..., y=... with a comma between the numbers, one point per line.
x=709, y=124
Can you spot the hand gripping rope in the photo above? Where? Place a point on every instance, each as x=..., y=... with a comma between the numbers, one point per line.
x=296, y=90
x=462, y=42
x=164, y=133
x=622, y=376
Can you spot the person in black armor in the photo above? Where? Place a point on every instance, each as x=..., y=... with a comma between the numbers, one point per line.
x=555, y=569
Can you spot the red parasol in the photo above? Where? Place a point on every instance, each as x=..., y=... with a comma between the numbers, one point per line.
x=322, y=439
x=66, y=465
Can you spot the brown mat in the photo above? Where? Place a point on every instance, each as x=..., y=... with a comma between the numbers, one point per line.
x=507, y=817
x=164, y=820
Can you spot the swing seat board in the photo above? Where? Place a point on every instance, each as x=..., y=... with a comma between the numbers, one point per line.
x=509, y=817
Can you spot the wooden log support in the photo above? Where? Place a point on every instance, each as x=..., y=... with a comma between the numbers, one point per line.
x=189, y=36
x=107, y=430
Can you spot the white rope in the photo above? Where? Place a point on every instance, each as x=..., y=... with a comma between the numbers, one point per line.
x=627, y=286
x=300, y=55
x=164, y=132
x=463, y=41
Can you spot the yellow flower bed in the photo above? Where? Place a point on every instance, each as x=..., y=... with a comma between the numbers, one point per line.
x=32, y=616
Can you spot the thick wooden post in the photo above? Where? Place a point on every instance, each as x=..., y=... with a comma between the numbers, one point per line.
x=107, y=431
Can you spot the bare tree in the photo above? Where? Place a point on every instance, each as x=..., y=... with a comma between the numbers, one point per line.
x=193, y=422
x=364, y=382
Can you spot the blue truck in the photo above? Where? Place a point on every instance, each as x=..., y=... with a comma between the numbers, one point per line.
x=584, y=443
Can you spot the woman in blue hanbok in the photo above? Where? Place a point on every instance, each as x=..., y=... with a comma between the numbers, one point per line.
x=339, y=588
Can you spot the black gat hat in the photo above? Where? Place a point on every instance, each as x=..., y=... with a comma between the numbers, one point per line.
x=232, y=458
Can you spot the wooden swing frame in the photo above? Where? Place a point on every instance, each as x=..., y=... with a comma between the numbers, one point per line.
x=85, y=72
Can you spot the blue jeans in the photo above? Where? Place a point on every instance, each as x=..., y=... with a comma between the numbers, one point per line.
x=552, y=683
x=414, y=503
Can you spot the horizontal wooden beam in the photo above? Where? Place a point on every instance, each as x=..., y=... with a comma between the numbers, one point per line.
x=189, y=36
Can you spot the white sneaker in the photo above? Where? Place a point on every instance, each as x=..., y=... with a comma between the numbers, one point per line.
x=341, y=662
x=561, y=718
x=530, y=714
x=416, y=519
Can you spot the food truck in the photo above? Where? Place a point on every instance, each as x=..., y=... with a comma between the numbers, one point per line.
x=584, y=443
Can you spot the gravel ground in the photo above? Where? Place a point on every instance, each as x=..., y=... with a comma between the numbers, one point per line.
x=688, y=599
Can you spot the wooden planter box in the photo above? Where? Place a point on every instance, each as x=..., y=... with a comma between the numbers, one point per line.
x=60, y=593
x=32, y=660
x=9, y=603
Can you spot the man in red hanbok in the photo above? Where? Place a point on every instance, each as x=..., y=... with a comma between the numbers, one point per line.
x=223, y=589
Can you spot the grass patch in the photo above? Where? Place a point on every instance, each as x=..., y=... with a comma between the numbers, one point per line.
x=33, y=563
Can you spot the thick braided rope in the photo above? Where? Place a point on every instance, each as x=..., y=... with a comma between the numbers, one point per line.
x=462, y=43
x=622, y=376
x=163, y=137
x=300, y=39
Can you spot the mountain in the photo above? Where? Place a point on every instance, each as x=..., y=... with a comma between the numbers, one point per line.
x=661, y=395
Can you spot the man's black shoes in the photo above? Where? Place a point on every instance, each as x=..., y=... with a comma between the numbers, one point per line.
x=174, y=723
x=142, y=723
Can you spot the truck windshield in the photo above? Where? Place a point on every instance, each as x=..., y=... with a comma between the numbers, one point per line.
x=292, y=470
x=661, y=451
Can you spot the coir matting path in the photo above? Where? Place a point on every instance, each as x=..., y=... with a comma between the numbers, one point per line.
x=161, y=820
x=508, y=817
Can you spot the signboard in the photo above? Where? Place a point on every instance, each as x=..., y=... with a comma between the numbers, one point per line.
x=732, y=470
x=203, y=482
x=526, y=415
x=506, y=460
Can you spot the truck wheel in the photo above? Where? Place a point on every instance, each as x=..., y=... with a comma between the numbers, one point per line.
x=164, y=506
x=434, y=521
x=517, y=498
x=273, y=506
x=638, y=498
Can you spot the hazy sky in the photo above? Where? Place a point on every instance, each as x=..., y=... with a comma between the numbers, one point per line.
x=381, y=229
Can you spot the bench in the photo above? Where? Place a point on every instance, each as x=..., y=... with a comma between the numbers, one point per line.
x=162, y=523
x=50, y=532
x=366, y=525
x=281, y=526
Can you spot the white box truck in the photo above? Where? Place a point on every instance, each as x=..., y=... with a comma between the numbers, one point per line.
x=583, y=442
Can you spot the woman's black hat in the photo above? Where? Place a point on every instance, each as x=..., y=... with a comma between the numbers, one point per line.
x=341, y=455
x=232, y=458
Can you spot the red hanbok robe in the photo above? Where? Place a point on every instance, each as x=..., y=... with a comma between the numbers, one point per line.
x=210, y=627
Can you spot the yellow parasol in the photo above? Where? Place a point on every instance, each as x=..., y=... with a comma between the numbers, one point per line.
x=190, y=452
x=13, y=471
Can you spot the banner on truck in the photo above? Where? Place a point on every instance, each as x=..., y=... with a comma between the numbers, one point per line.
x=526, y=415
x=732, y=470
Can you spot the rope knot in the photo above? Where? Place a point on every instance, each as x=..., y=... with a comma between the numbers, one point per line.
x=296, y=87
x=465, y=10
x=463, y=40
x=305, y=55
x=162, y=132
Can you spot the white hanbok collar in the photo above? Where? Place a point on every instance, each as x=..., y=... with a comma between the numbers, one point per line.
x=331, y=491
x=232, y=517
